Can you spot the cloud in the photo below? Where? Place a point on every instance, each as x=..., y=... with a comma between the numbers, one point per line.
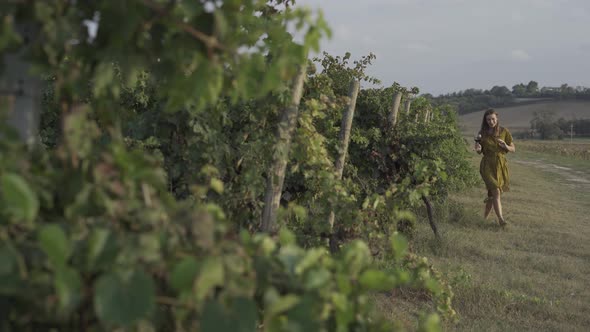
x=519, y=55
x=445, y=35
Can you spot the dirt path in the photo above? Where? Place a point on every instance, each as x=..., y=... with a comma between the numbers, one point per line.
x=573, y=178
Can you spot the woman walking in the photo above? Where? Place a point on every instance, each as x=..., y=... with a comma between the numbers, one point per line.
x=494, y=142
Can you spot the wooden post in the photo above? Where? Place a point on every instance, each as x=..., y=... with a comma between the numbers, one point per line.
x=346, y=126
x=393, y=111
x=276, y=175
x=21, y=90
x=407, y=104
x=427, y=115
x=344, y=140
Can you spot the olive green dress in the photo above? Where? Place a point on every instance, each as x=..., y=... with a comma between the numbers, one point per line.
x=493, y=167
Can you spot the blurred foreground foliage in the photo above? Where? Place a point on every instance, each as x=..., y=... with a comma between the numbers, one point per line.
x=140, y=210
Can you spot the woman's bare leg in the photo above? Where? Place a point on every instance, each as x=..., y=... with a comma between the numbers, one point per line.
x=498, y=206
x=489, y=204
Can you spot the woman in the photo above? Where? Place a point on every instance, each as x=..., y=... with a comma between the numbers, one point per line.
x=494, y=142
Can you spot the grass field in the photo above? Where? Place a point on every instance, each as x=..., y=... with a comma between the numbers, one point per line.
x=532, y=276
x=517, y=118
x=576, y=149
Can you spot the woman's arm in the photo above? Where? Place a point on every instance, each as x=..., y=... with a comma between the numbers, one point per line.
x=509, y=148
x=477, y=147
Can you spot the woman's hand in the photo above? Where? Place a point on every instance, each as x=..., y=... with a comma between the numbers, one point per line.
x=477, y=147
x=505, y=146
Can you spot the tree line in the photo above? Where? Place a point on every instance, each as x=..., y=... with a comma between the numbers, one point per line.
x=545, y=126
x=474, y=100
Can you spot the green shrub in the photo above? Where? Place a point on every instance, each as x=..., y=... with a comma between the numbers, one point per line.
x=92, y=240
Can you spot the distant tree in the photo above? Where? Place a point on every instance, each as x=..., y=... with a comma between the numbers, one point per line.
x=473, y=100
x=579, y=127
x=471, y=92
x=545, y=125
x=519, y=90
x=500, y=91
x=566, y=90
x=532, y=88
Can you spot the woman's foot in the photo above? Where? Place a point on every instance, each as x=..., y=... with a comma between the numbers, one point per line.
x=502, y=222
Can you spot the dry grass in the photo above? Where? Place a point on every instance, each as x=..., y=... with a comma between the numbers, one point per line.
x=517, y=118
x=578, y=149
x=532, y=276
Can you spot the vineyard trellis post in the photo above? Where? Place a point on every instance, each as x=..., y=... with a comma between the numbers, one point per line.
x=394, y=110
x=276, y=175
x=343, y=148
x=407, y=104
x=21, y=90
x=427, y=115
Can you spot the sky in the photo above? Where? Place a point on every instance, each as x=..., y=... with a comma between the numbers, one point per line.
x=443, y=46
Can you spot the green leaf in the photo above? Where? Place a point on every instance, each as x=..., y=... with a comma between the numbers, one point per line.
x=7, y=261
x=286, y=237
x=430, y=323
x=399, y=244
x=102, y=249
x=241, y=317
x=221, y=25
x=281, y=304
x=10, y=282
x=55, y=244
x=149, y=245
x=376, y=203
x=68, y=285
x=43, y=11
x=103, y=77
x=344, y=284
x=266, y=244
x=340, y=302
x=215, y=319
x=311, y=258
x=376, y=280
x=184, y=274
x=212, y=274
x=217, y=185
x=8, y=35
x=356, y=257
x=79, y=131
x=365, y=204
x=306, y=315
x=290, y=255
x=433, y=285
x=245, y=314
x=20, y=200
x=123, y=300
x=190, y=8
x=317, y=278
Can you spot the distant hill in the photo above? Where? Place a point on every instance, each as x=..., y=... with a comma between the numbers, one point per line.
x=517, y=118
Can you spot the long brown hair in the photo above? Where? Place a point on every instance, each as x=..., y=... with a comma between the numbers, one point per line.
x=484, y=124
